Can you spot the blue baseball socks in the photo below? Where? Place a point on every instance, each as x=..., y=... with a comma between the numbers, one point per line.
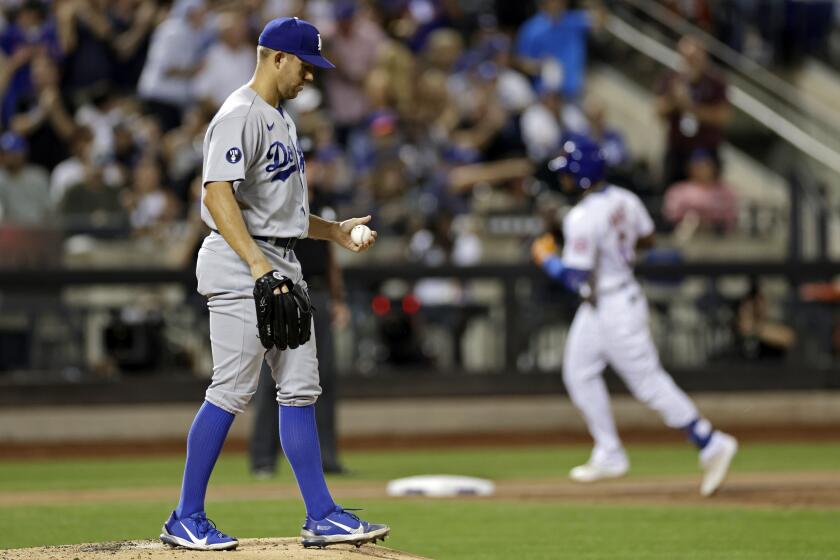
x=204, y=443
x=299, y=438
x=699, y=432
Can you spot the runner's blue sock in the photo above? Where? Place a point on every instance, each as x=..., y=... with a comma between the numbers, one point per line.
x=207, y=435
x=699, y=432
x=299, y=437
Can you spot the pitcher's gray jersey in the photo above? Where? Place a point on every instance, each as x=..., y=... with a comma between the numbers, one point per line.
x=254, y=146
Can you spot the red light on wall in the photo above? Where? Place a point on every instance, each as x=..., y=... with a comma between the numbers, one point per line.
x=410, y=305
x=380, y=305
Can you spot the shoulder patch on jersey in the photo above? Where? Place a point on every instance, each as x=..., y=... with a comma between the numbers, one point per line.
x=233, y=155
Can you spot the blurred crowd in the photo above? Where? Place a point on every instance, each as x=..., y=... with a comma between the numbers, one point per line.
x=438, y=111
x=105, y=104
x=433, y=105
x=772, y=32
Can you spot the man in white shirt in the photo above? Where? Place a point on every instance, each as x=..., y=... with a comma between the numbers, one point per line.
x=174, y=58
x=229, y=62
x=74, y=169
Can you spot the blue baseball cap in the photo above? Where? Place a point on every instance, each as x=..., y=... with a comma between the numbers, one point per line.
x=583, y=159
x=13, y=143
x=295, y=36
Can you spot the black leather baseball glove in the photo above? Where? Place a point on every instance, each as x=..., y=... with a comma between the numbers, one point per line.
x=284, y=319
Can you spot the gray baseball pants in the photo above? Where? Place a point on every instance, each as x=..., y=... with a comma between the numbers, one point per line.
x=225, y=280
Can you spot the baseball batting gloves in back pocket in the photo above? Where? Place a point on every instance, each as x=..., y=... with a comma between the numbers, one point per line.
x=284, y=311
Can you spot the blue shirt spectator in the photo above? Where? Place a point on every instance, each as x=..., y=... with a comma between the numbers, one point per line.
x=556, y=35
x=610, y=139
x=30, y=30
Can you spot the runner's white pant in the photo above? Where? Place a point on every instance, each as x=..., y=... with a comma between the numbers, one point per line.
x=616, y=332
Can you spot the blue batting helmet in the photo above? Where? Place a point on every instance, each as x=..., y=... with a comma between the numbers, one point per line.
x=582, y=159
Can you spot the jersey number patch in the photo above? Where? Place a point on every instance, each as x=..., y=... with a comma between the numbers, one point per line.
x=282, y=160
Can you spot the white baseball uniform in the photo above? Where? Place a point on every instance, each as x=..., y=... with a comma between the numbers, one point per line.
x=254, y=146
x=600, y=235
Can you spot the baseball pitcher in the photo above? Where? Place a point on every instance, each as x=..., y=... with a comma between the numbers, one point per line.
x=255, y=202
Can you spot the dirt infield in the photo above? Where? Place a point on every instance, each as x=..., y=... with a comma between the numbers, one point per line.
x=820, y=490
x=249, y=549
x=59, y=450
x=813, y=490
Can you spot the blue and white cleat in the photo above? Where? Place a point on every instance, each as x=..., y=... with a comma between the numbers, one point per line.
x=341, y=527
x=195, y=532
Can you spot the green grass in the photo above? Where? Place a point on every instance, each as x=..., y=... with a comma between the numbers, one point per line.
x=498, y=464
x=466, y=529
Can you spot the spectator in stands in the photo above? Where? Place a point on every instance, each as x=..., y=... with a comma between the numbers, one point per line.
x=148, y=136
x=386, y=177
x=443, y=51
x=446, y=239
x=43, y=117
x=329, y=173
x=702, y=201
x=151, y=206
x=71, y=171
x=434, y=107
x=229, y=63
x=30, y=32
x=24, y=188
x=92, y=204
x=551, y=46
x=354, y=47
x=101, y=112
x=173, y=60
x=760, y=335
x=398, y=69
x=610, y=139
x=694, y=104
x=126, y=152
x=512, y=87
x=85, y=34
x=182, y=149
x=544, y=124
x=132, y=22
x=698, y=12
x=505, y=141
x=432, y=244
x=9, y=66
x=397, y=107
x=483, y=121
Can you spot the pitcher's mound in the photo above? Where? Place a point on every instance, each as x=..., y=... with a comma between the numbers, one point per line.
x=249, y=549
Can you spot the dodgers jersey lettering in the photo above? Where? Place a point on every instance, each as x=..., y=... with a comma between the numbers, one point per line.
x=600, y=235
x=254, y=146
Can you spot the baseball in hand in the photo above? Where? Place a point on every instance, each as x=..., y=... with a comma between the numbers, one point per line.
x=360, y=234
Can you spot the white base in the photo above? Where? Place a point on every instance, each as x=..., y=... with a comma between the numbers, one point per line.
x=441, y=486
